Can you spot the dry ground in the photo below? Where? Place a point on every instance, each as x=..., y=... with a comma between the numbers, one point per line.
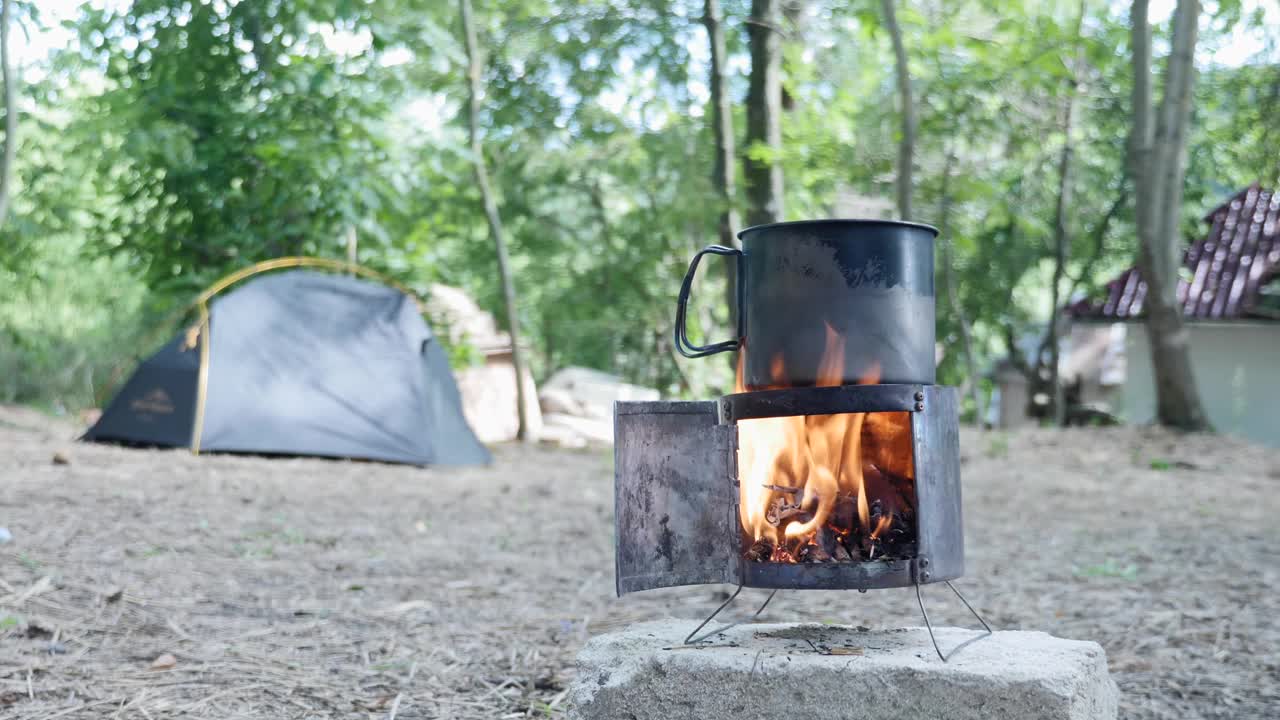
x=305, y=588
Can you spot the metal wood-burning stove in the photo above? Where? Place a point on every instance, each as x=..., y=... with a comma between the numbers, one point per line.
x=804, y=479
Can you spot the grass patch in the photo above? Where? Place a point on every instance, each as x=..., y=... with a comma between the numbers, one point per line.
x=1109, y=568
x=998, y=446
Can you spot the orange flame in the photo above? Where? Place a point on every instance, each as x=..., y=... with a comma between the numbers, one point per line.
x=795, y=472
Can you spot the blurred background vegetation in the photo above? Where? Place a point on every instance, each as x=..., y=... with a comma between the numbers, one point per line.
x=163, y=143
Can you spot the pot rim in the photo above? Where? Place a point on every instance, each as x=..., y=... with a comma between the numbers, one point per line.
x=840, y=221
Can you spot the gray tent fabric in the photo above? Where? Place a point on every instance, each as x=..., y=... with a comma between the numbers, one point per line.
x=308, y=363
x=157, y=404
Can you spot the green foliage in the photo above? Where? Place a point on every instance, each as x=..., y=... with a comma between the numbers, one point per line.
x=176, y=141
x=67, y=313
x=61, y=338
x=232, y=134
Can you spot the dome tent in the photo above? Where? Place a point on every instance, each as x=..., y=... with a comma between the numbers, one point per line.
x=299, y=362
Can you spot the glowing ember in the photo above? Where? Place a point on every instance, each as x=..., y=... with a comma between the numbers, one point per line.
x=826, y=487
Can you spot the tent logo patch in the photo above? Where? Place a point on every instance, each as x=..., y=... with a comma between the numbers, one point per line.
x=156, y=401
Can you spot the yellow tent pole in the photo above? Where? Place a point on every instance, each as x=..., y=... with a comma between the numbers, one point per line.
x=227, y=281
x=297, y=261
x=202, y=381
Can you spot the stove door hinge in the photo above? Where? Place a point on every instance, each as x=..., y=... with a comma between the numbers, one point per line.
x=921, y=570
x=727, y=443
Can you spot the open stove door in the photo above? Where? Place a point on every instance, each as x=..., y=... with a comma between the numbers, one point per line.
x=675, y=499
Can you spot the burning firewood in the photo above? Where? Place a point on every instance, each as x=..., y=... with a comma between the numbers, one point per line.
x=828, y=488
x=781, y=512
x=760, y=551
x=812, y=553
x=825, y=539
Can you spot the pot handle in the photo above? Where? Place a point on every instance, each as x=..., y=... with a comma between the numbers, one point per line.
x=683, y=345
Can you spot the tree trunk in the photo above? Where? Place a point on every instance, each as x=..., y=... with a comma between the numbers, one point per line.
x=763, y=175
x=722, y=176
x=1171, y=134
x=1158, y=168
x=10, y=110
x=353, y=245
x=953, y=290
x=722, y=126
x=1140, y=130
x=491, y=211
x=1062, y=238
x=907, y=143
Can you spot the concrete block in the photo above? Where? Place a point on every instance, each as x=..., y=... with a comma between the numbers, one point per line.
x=826, y=672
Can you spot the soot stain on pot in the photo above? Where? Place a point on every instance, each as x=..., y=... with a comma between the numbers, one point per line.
x=818, y=262
x=808, y=258
x=871, y=275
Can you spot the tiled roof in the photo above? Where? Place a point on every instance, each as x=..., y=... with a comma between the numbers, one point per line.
x=1227, y=267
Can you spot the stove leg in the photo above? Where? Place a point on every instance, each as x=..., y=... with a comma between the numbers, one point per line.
x=987, y=628
x=690, y=639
